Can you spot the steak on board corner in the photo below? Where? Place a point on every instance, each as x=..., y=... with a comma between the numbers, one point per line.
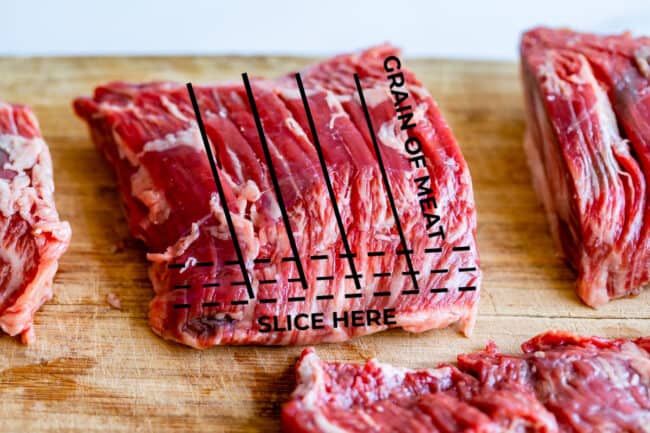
x=33, y=238
x=588, y=148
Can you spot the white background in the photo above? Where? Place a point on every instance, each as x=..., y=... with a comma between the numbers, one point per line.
x=459, y=29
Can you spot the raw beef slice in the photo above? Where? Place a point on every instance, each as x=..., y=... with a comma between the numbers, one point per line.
x=33, y=237
x=149, y=135
x=561, y=383
x=588, y=146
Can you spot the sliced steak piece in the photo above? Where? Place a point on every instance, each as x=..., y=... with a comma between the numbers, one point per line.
x=561, y=383
x=149, y=135
x=588, y=147
x=33, y=238
x=589, y=384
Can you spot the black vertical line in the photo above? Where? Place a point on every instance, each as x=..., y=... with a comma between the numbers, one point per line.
x=274, y=178
x=389, y=193
x=222, y=195
x=328, y=182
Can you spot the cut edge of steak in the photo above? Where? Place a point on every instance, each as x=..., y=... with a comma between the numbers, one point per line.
x=560, y=383
x=588, y=148
x=149, y=136
x=33, y=238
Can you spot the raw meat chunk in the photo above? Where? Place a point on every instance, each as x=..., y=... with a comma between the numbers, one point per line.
x=33, y=238
x=149, y=135
x=588, y=147
x=561, y=383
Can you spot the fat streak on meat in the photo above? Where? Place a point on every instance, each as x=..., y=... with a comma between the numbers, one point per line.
x=561, y=383
x=32, y=236
x=149, y=135
x=588, y=147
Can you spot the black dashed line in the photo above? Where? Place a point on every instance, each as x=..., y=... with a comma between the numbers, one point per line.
x=322, y=297
x=433, y=250
x=472, y=269
x=353, y=295
x=182, y=286
x=382, y=274
x=296, y=298
x=325, y=278
x=242, y=302
x=439, y=271
x=410, y=292
x=376, y=253
x=465, y=248
x=210, y=284
x=381, y=294
x=268, y=301
x=319, y=257
x=467, y=288
x=179, y=306
x=439, y=290
x=211, y=304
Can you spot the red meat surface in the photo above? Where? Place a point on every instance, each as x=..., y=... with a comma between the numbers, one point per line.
x=33, y=238
x=560, y=383
x=588, y=146
x=149, y=135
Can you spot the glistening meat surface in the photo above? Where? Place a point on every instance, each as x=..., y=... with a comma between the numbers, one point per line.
x=32, y=238
x=588, y=146
x=149, y=135
x=560, y=383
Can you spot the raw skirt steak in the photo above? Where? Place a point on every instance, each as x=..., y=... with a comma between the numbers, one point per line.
x=561, y=383
x=588, y=146
x=308, y=287
x=33, y=238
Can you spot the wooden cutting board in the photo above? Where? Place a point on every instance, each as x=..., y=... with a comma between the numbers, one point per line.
x=93, y=368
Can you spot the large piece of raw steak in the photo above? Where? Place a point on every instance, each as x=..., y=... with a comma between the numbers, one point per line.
x=32, y=238
x=149, y=135
x=559, y=384
x=588, y=146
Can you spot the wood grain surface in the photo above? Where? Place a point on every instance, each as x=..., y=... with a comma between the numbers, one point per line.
x=94, y=368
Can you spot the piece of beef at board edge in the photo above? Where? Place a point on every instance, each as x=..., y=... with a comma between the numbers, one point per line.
x=33, y=237
x=561, y=383
x=588, y=147
x=316, y=285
